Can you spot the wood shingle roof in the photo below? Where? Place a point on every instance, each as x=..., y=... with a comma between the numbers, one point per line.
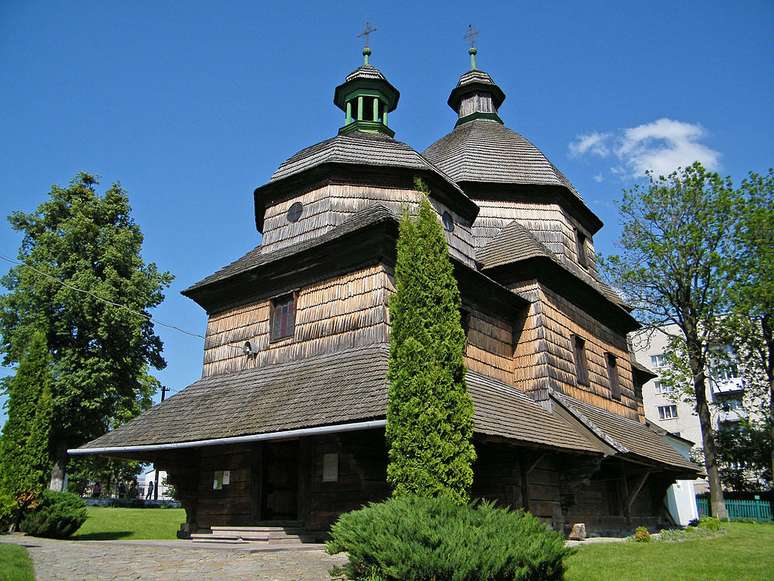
x=326, y=390
x=483, y=150
x=627, y=436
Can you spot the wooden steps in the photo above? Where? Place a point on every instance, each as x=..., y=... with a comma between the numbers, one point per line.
x=275, y=534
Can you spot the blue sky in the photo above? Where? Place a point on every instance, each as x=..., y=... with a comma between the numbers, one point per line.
x=192, y=105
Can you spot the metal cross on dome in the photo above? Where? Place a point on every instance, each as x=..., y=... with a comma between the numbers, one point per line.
x=369, y=28
x=471, y=35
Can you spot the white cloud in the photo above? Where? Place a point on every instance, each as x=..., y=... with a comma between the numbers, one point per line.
x=599, y=178
x=595, y=143
x=660, y=146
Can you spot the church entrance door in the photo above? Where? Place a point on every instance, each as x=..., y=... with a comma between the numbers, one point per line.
x=280, y=481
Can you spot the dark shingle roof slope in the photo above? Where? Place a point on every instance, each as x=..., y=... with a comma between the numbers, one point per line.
x=360, y=148
x=329, y=389
x=347, y=386
x=504, y=411
x=515, y=243
x=483, y=150
x=512, y=244
x=366, y=72
x=625, y=435
x=369, y=215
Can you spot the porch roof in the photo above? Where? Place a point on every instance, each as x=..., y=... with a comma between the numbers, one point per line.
x=328, y=390
x=628, y=437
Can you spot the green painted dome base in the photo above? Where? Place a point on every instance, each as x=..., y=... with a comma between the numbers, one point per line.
x=367, y=127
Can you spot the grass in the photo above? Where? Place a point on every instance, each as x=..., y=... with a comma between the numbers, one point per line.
x=745, y=553
x=130, y=524
x=15, y=564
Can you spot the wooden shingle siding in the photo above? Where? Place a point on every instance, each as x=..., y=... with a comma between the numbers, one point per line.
x=339, y=313
x=559, y=320
x=549, y=223
x=315, y=220
x=330, y=205
x=489, y=347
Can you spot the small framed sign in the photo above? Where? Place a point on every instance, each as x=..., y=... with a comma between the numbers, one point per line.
x=330, y=468
x=217, y=480
x=226, y=477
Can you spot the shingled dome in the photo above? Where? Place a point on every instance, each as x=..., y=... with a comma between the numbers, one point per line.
x=483, y=150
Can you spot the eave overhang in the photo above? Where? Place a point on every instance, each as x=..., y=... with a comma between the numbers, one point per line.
x=345, y=173
x=531, y=193
x=566, y=284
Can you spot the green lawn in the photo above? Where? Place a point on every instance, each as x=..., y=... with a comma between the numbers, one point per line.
x=745, y=553
x=130, y=523
x=15, y=564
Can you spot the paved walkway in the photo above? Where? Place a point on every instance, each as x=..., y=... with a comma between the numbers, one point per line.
x=169, y=560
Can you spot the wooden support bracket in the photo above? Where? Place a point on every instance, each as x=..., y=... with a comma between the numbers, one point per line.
x=636, y=491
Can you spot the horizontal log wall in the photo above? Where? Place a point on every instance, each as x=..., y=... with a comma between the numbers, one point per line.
x=236, y=503
x=546, y=348
x=549, y=223
x=330, y=205
x=362, y=476
x=339, y=313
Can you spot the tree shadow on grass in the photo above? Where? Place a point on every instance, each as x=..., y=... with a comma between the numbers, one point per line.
x=107, y=536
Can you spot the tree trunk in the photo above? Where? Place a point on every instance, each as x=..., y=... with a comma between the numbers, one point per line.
x=696, y=362
x=58, y=472
x=768, y=340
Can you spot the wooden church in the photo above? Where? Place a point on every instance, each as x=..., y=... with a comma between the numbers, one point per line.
x=286, y=424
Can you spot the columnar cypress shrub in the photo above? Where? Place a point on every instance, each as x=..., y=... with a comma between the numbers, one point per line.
x=429, y=412
x=24, y=447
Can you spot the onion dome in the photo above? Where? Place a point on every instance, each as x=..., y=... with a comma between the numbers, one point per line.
x=366, y=97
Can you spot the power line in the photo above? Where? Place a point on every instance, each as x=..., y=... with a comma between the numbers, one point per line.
x=107, y=301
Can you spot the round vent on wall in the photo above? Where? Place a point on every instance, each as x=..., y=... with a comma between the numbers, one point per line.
x=448, y=222
x=294, y=212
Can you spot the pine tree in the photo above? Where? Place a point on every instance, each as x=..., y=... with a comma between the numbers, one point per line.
x=24, y=447
x=429, y=412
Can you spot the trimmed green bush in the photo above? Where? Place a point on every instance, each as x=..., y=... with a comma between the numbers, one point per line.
x=641, y=535
x=709, y=522
x=57, y=515
x=416, y=538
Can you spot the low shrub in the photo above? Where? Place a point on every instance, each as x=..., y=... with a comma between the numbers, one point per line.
x=641, y=535
x=709, y=522
x=688, y=534
x=57, y=515
x=417, y=538
x=7, y=511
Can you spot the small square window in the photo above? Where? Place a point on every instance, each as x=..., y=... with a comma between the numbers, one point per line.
x=581, y=366
x=667, y=412
x=283, y=317
x=658, y=360
x=330, y=468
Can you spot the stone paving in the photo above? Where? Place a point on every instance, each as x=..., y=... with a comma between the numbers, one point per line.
x=170, y=560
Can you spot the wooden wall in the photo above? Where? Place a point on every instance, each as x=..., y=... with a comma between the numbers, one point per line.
x=549, y=223
x=329, y=205
x=544, y=354
x=489, y=346
x=236, y=503
x=362, y=476
x=338, y=313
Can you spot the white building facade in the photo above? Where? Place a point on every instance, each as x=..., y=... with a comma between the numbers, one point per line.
x=725, y=392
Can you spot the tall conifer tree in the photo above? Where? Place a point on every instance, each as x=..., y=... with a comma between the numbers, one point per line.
x=429, y=413
x=24, y=446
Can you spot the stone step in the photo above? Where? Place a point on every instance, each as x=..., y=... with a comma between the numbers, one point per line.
x=205, y=538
